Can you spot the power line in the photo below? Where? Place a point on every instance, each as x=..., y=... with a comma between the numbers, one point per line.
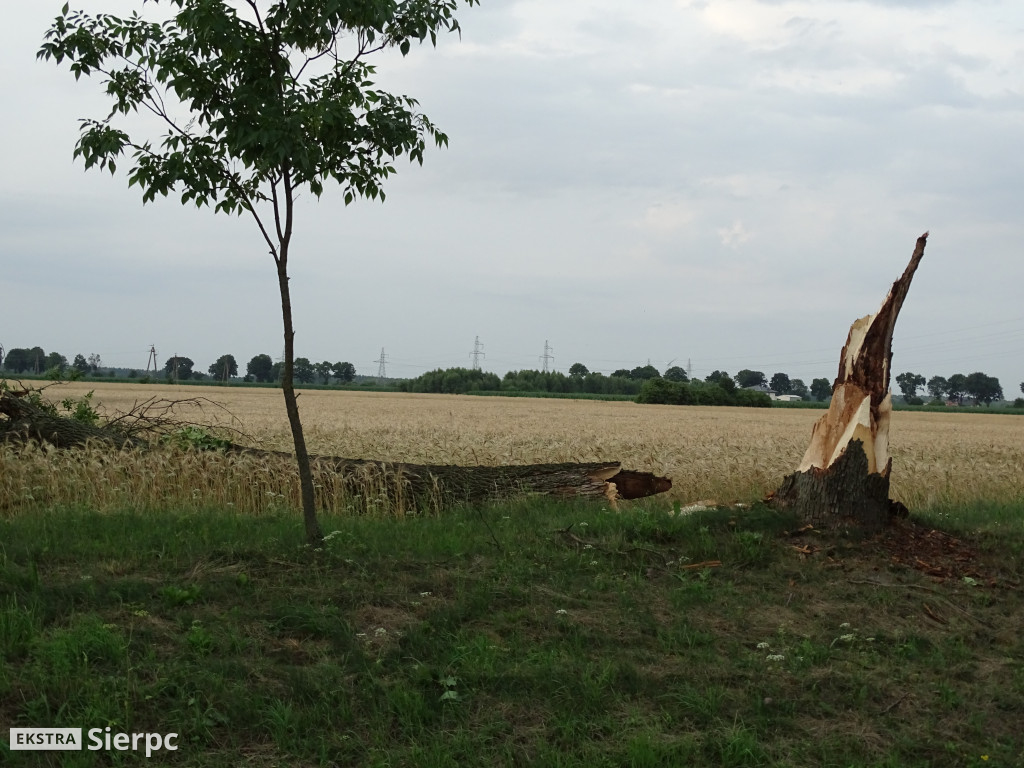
x=151, y=360
x=477, y=353
x=547, y=355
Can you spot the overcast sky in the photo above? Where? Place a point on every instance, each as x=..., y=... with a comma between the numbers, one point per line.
x=727, y=183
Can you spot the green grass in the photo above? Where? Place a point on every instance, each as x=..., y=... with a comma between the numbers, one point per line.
x=533, y=633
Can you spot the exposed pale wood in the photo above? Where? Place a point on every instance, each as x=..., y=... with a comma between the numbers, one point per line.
x=827, y=488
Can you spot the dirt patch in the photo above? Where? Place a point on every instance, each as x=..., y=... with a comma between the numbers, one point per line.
x=936, y=553
x=907, y=544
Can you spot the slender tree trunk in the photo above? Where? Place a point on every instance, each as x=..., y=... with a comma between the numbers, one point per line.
x=313, y=531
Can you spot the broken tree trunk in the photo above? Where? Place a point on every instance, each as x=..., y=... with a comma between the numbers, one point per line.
x=25, y=420
x=401, y=486
x=843, y=480
x=440, y=486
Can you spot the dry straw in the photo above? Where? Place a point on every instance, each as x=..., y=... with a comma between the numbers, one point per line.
x=727, y=454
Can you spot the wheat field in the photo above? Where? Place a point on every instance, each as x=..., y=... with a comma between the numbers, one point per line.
x=725, y=454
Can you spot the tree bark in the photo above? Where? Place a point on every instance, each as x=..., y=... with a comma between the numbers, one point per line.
x=843, y=479
x=405, y=487
x=314, y=533
x=411, y=487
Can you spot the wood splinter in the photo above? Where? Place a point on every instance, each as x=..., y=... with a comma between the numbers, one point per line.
x=843, y=479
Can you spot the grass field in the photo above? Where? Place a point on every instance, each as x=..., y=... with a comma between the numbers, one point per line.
x=527, y=634
x=173, y=592
x=726, y=454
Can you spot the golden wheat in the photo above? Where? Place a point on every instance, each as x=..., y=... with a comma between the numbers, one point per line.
x=728, y=454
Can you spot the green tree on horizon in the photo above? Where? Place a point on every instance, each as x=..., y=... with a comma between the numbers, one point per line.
x=261, y=368
x=345, y=372
x=224, y=368
x=821, y=389
x=781, y=384
x=748, y=378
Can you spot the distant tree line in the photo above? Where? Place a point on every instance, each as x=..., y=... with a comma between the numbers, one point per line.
x=645, y=382
x=37, y=361
x=978, y=386
x=696, y=392
x=579, y=381
x=261, y=368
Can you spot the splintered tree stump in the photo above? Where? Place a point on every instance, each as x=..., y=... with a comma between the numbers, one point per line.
x=844, y=495
x=843, y=480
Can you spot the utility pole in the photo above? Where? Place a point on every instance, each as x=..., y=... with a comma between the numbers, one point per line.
x=151, y=360
x=547, y=355
x=382, y=372
x=477, y=353
x=174, y=367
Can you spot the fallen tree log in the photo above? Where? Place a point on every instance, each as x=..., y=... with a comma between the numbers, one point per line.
x=439, y=486
x=401, y=485
x=28, y=420
x=843, y=480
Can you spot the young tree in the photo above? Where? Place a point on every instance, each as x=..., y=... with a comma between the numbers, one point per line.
x=261, y=368
x=798, y=388
x=80, y=364
x=259, y=100
x=224, y=368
